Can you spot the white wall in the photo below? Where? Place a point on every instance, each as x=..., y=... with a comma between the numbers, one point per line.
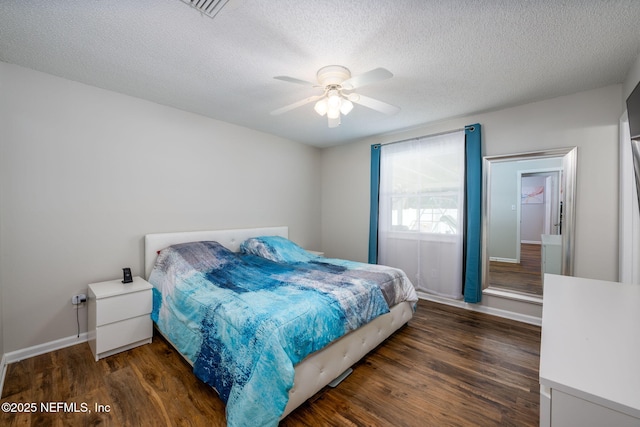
x=85, y=173
x=588, y=120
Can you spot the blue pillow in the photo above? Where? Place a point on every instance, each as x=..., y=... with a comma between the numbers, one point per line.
x=276, y=249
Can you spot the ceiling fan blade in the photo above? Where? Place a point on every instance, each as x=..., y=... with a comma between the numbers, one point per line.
x=374, y=104
x=296, y=105
x=294, y=80
x=373, y=76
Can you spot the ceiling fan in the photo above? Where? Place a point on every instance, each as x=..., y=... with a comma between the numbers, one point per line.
x=338, y=98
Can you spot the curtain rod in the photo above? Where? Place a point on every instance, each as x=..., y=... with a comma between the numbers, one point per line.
x=423, y=136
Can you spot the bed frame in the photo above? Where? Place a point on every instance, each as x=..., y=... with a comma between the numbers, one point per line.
x=322, y=367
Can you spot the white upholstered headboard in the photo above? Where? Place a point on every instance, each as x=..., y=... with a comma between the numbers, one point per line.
x=230, y=239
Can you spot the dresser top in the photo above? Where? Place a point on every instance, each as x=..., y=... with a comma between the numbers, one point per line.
x=116, y=287
x=590, y=343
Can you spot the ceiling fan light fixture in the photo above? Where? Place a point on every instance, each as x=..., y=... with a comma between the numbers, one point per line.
x=333, y=99
x=335, y=103
x=321, y=107
x=333, y=112
x=346, y=106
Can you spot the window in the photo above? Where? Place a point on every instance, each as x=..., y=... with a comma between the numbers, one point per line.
x=421, y=211
x=426, y=210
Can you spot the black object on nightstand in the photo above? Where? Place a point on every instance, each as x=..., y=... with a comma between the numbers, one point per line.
x=126, y=275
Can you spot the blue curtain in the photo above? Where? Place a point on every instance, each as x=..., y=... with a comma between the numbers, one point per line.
x=472, y=288
x=373, y=215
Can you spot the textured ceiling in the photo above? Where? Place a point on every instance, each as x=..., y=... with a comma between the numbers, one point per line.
x=449, y=58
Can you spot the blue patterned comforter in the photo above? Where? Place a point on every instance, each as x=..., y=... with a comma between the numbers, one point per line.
x=244, y=321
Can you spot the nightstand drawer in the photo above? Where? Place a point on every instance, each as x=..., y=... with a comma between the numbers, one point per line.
x=119, y=334
x=124, y=306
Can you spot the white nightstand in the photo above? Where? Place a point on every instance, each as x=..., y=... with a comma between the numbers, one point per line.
x=119, y=316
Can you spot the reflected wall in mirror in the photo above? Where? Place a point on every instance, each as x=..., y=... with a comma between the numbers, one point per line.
x=528, y=216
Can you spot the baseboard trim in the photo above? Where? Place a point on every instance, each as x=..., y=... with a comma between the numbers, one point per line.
x=36, y=350
x=518, y=317
x=3, y=371
x=509, y=260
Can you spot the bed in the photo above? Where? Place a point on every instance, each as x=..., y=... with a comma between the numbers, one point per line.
x=313, y=371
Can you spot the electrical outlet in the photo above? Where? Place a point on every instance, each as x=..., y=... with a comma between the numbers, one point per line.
x=78, y=299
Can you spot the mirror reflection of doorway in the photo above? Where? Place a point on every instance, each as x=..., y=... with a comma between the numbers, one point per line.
x=540, y=205
x=539, y=225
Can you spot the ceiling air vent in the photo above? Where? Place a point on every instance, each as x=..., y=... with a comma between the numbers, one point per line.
x=207, y=7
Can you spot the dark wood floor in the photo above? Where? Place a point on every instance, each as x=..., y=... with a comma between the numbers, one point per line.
x=524, y=277
x=448, y=366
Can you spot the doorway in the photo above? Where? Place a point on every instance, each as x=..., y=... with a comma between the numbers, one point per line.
x=540, y=210
x=538, y=216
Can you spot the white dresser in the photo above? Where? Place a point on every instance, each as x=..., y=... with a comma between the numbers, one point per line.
x=590, y=353
x=119, y=316
x=551, y=256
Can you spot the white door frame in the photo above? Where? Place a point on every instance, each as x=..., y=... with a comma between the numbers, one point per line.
x=557, y=170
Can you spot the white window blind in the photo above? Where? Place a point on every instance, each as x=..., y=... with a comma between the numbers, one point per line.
x=421, y=211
